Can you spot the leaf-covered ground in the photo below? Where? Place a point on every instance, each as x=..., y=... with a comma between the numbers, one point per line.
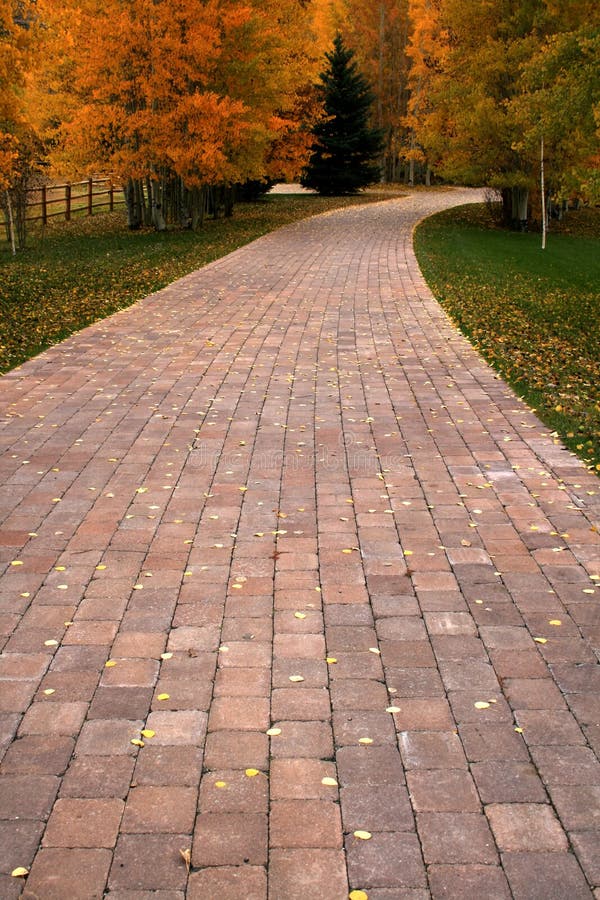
x=534, y=314
x=76, y=273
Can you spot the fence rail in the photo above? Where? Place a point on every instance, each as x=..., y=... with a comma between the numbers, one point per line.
x=52, y=200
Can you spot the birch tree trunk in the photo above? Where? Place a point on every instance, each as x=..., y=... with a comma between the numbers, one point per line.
x=543, y=191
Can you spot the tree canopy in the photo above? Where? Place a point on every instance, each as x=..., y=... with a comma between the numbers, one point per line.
x=181, y=98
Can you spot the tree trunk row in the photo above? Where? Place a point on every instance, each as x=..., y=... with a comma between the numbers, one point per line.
x=162, y=201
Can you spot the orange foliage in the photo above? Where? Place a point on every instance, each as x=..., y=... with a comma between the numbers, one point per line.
x=197, y=89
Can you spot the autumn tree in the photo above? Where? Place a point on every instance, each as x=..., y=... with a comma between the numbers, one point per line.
x=346, y=147
x=482, y=76
x=180, y=98
x=21, y=151
x=558, y=111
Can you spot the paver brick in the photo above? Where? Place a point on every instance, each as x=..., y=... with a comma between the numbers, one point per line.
x=228, y=883
x=388, y=859
x=232, y=791
x=91, y=776
x=83, y=823
x=239, y=714
x=376, y=808
x=27, y=796
x=523, y=827
x=468, y=882
x=20, y=841
x=456, y=838
x=301, y=779
x=309, y=739
x=537, y=874
x=53, y=718
x=236, y=750
x=435, y=790
x=508, y=781
x=294, y=873
x=149, y=862
x=230, y=839
x=58, y=872
x=38, y=755
x=159, y=809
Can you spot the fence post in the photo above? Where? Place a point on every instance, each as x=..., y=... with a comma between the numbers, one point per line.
x=44, y=206
x=111, y=195
x=68, y=201
x=90, y=196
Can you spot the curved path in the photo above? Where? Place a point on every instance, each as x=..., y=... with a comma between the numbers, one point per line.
x=285, y=494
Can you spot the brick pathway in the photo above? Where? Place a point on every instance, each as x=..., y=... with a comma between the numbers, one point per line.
x=285, y=565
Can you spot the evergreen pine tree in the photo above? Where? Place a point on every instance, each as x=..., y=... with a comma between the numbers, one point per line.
x=346, y=147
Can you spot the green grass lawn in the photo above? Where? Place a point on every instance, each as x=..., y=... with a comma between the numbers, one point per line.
x=73, y=274
x=533, y=314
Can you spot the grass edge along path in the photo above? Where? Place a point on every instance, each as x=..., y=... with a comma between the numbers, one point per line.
x=532, y=314
x=73, y=274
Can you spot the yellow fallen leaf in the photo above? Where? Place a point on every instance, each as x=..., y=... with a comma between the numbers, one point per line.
x=365, y=740
x=554, y=622
x=163, y=697
x=331, y=660
x=363, y=835
x=358, y=895
x=296, y=678
x=347, y=550
x=299, y=615
x=17, y=562
x=137, y=742
x=20, y=872
x=186, y=856
x=51, y=643
x=166, y=655
x=393, y=709
x=147, y=733
x=273, y=732
x=60, y=568
x=540, y=640
x=329, y=782
x=588, y=591
x=49, y=691
x=374, y=650
x=519, y=730
x=220, y=784
x=481, y=704
x=252, y=773
x=109, y=663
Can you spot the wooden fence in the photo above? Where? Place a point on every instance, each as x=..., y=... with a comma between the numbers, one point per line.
x=52, y=200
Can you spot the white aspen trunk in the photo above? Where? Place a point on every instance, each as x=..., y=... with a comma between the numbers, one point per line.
x=11, y=224
x=158, y=219
x=543, y=190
